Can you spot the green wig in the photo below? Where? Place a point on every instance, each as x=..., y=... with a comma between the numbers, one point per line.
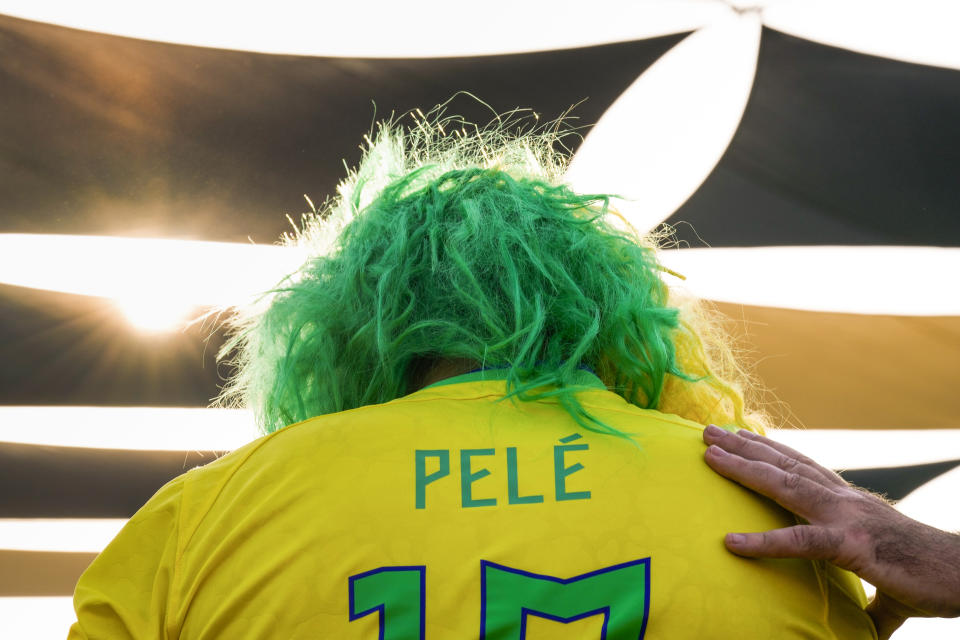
x=463, y=245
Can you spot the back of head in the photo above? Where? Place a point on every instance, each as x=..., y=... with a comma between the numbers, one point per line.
x=467, y=245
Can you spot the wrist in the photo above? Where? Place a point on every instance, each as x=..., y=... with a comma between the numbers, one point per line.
x=886, y=614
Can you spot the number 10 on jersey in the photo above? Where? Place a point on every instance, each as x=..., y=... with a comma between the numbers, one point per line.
x=620, y=593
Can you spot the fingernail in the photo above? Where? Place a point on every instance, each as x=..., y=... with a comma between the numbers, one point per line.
x=736, y=539
x=715, y=431
x=714, y=450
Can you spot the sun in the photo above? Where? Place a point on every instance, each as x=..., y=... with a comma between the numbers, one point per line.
x=156, y=314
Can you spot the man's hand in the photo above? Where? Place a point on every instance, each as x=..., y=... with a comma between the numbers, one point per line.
x=915, y=568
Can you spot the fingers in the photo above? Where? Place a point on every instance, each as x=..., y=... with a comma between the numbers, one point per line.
x=802, y=541
x=756, y=447
x=810, y=499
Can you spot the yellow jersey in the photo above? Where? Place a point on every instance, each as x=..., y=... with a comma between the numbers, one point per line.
x=453, y=513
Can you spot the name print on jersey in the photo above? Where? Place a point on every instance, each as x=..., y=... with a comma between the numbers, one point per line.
x=471, y=470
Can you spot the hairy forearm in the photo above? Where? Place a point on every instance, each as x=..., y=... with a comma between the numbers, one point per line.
x=918, y=566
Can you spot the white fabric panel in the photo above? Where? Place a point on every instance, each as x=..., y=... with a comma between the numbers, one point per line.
x=153, y=279
x=426, y=28
x=157, y=283
x=88, y=535
x=36, y=618
x=879, y=280
x=158, y=429
x=921, y=31
x=664, y=135
x=873, y=448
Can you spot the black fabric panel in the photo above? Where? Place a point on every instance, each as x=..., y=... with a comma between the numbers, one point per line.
x=107, y=135
x=897, y=482
x=835, y=147
x=61, y=349
x=74, y=482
